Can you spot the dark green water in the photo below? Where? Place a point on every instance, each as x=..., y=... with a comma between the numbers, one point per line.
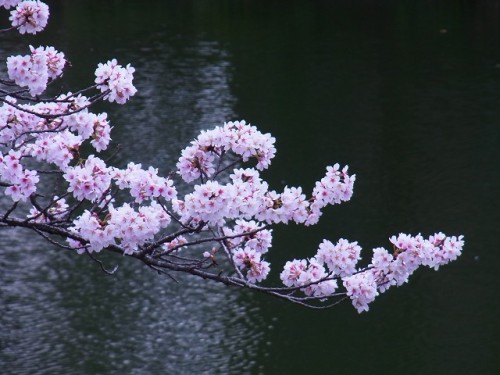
x=406, y=93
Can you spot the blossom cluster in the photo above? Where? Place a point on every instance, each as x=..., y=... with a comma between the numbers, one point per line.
x=21, y=182
x=411, y=252
x=198, y=160
x=385, y=270
x=228, y=201
x=7, y=4
x=248, y=241
x=250, y=260
x=248, y=196
x=86, y=124
x=340, y=258
x=36, y=70
x=89, y=181
x=124, y=226
x=251, y=234
x=176, y=244
x=55, y=140
x=23, y=123
x=336, y=187
x=29, y=16
x=57, y=148
x=144, y=184
x=56, y=211
x=115, y=81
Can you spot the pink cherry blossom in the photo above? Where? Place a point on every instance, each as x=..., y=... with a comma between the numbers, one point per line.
x=237, y=137
x=210, y=202
x=313, y=274
x=258, y=271
x=56, y=211
x=144, y=184
x=291, y=205
x=336, y=187
x=30, y=16
x=55, y=60
x=116, y=81
x=36, y=70
x=57, y=148
x=133, y=228
x=96, y=232
x=21, y=182
x=9, y=3
x=123, y=225
x=340, y=258
x=250, y=234
x=249, y=260
x=90, y=180
x=362, y=289
x=310, y=274
x=290, y=275
x=177, y=243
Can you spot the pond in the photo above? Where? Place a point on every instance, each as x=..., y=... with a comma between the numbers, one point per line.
x=406, y=93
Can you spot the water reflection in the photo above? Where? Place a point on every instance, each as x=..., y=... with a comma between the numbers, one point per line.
x=182, y=88
x=60, y=314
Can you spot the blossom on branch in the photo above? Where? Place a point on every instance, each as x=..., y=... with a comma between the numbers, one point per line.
x=56, y=211
x=197, y=160
x=36, y=70
x=341, y=258
x=29, y=16
x=21, y=182
x=226, y=208
x=144, y=184
x=90, y=180
x=7, y=4
x=115, y=81
x=362, y=289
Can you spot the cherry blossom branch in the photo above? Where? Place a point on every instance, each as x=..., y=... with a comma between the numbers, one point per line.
x=136, y=212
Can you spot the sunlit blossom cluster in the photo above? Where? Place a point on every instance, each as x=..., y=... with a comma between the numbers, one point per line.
x=29, y=16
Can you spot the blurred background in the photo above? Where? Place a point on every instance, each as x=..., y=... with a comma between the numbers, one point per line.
x=405, y=92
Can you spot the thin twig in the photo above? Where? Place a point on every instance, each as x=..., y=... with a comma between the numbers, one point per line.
x=107, y=272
